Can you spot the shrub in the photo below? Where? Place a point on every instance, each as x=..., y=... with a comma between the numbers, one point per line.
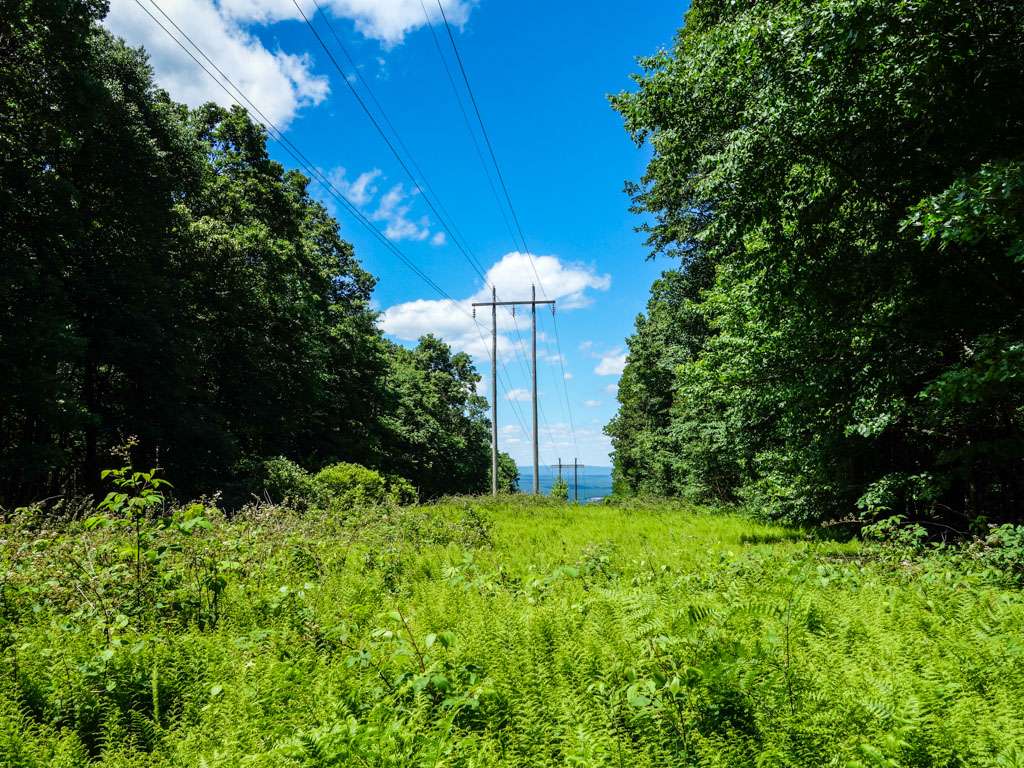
x=1003, y=550
x=286, y=482
x=344, y=485
x=896, y=533
x=560, y=490
x=401, y=491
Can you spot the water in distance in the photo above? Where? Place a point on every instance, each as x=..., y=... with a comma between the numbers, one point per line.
x=595, y=482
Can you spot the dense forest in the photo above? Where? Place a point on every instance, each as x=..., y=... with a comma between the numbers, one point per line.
x=170, y=286
x=842, y=183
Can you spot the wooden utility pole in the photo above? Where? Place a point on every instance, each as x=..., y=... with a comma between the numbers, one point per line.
x=494, y=391
x=576, y=466
x=494, y=304
x=533, y=334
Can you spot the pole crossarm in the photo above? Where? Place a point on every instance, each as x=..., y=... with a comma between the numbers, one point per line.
x=510, y=303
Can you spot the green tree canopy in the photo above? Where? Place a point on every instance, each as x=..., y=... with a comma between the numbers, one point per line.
x=167, y=280
x=850, y=173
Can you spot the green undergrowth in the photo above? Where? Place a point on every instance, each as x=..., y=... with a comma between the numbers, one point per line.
x=508, y=633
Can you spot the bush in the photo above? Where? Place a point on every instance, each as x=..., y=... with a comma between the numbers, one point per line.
x=401, y=491
x=344, y=486
x=1003, y=550
x=560, y=490
x=287, y=483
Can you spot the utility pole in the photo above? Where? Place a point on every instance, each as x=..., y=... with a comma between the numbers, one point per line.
x=576, y=466
x=494, y=304
x=536, y=449
x=494, y=391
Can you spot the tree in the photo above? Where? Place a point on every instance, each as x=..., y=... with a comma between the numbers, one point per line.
x=169, y=282
x=560, y=490
x=850, y=170
x=438, y=435
x=508, y=474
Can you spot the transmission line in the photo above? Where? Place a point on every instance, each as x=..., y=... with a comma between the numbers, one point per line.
x=397, y=135
x=292, y=149
x=471, y=260
x=466, y=123
x=239, y=96
x=508, y=199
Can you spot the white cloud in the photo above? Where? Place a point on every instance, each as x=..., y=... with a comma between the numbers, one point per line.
x=392, y=208
x=385, y=20
x=394, y=211
x=586, y=345
x=568, y=376
x=592, y=403
x=520, y=395
x=611, y=363
x=567, y=283
x=360, y=190
x=612, y=389
x=279, y=83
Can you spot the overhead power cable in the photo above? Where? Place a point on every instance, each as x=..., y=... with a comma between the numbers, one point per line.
x=466, y=123
x=291, y=148
x=240, y=98
x=473, y=262
x=398, y=137
x=512, y=209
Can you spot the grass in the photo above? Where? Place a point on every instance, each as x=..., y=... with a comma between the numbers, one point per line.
x=517, y=633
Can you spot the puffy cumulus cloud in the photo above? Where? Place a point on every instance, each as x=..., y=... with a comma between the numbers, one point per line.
x=385, y=20
x=279, y=83
x=393, y=208
x=611, y=363
x=453, y=321
x=567, y=282
x=612, y=389
x=520, y=395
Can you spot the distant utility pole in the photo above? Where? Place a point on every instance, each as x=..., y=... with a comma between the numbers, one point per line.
x=576, y=467
x=494, y=304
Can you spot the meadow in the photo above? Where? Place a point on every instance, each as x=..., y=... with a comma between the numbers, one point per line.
x=515, y=632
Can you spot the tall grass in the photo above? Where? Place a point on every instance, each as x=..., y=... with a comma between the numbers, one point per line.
x=515, y=633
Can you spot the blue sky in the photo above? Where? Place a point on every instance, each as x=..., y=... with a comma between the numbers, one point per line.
x=541, y=72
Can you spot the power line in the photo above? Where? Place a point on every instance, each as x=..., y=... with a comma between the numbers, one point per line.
x=290, y=147
x=473, y=262
x=545, y=422
x=465, y=121
x=487, y=141
x=391, y=126
x=508, y=199
x=565, y=386
x=300, y=158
